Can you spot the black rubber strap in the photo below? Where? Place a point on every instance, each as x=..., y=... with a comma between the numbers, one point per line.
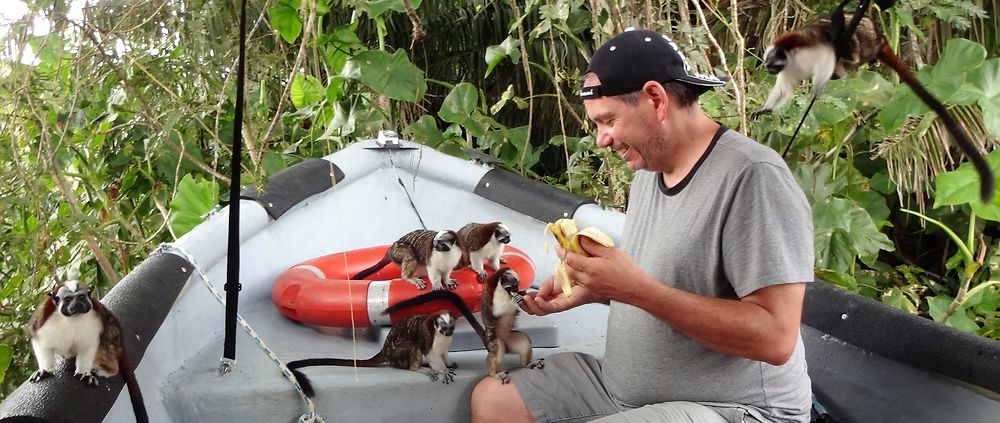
x=233, y=249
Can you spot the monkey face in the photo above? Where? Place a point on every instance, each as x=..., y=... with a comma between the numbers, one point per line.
x=502, y=234
x=445, y=324
x=72, y=298
x=444, y=240
x=509, y=280
x=775, y=59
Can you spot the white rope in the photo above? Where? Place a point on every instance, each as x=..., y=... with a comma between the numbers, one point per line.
x=310, y=416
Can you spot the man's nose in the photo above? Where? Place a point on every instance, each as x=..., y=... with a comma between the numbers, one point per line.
x=604, y=139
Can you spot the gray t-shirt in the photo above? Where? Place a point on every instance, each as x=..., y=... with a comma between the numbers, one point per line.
x=737, y=223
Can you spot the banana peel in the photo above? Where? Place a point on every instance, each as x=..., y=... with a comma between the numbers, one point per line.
x=568, y=238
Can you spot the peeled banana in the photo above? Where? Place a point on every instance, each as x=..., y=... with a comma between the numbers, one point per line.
x=568, y=237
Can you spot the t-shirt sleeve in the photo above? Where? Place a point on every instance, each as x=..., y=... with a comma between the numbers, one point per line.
x=767, y=237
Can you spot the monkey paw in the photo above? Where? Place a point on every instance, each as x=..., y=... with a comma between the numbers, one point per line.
x=433, y=374
x=504, y=377
x=537, y=364
x=481, y=275
x=759, y=112
x=517, y=299
x=88, y=379
x=39, y=375
x=453, y=365
x=448, y=377
x=451, y=284
x=419, y=283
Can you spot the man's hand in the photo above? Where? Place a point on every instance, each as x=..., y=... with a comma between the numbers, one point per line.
x=609, y=273
x=549, y=299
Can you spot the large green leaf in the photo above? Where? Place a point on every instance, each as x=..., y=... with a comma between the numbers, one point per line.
x=817, y=181
x=6, y=354
x=895, y=297
x=378, y=7
x=844, y=230
x=938, y=306
x=943, y=80
x=425, y=131
x=833, y=250
x=338, y=45
x=194, y=198
x=986, y=81
x=510, y=47
x=959, y=56
x=306, y=90
x=391, y=75
x=459, y=103
x=961, y=186
x=273, y=163
x=843, y=280
x=902, y=104
x=990, y=301
x=285, y=20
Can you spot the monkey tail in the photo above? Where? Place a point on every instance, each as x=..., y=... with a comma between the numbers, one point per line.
x=452, y=297
x=306, y=384
x=381, y=263
x=138, y=406
x=986, y=187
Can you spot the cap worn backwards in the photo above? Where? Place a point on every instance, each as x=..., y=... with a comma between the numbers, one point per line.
x=630, y=59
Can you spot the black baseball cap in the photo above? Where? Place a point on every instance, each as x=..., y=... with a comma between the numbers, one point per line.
x=626, y=62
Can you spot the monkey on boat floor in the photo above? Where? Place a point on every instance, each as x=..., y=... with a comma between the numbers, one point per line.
x=71, y=323
x=500, y=300
x=500, y=308
x=823, y=51
x=423, y=253
x=483, y=241
x=408, y=342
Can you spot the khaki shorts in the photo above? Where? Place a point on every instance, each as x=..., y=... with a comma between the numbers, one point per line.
x=571, y=388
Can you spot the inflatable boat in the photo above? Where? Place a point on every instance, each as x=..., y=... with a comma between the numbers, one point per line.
x=868, y=362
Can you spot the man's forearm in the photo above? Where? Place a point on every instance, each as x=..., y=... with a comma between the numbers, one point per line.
x=762, y=326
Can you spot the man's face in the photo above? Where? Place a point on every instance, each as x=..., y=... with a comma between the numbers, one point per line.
x=630, y=130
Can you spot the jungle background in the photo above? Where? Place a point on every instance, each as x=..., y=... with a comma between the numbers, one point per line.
x=116, y=122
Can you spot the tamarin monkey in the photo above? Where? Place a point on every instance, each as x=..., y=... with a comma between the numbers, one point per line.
x=483, y=241
x=69, y=322
x=423, y=253
x=823, y=51
x=500, y=300
x=406, y=345
x=501, y=297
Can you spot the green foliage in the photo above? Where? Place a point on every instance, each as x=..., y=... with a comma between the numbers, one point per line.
x=285, y=20
x=6, y=355
x=192, y=201
x=391, y=75
x=307, y=90
x=944, y=80
x=509, y=48
x=986, y=85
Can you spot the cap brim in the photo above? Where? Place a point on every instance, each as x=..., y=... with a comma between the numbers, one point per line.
x=702, y=82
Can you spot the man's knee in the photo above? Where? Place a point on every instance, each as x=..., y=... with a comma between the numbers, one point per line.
x=493, y=401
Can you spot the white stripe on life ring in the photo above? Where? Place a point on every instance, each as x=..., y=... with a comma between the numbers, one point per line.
x=378, y=301
x=316, y=271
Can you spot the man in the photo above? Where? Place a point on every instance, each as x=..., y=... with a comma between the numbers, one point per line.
x=706, y=291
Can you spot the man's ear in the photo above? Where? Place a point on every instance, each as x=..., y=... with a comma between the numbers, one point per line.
x=658, y=96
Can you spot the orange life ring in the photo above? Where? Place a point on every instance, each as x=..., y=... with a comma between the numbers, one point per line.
x=319, y=292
